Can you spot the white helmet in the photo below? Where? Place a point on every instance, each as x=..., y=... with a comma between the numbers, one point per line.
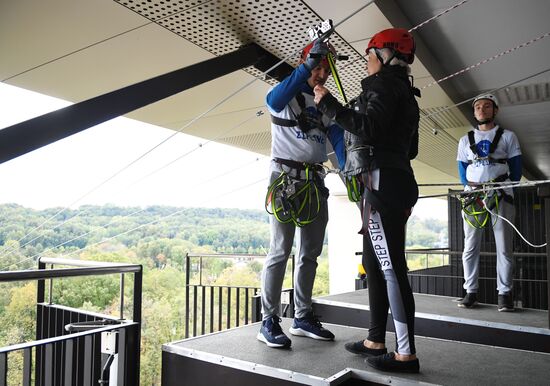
x=491, y=97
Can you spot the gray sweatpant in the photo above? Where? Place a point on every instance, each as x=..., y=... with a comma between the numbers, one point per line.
x=503, y=239
x=309, y=245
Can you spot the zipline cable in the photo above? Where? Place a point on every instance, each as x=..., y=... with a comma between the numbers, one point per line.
x=446, y=108
x=159, y=219
x=192, y=121
x=500, y=54
x=226, y=173
x=504, y=186
x=199, y=146
x=427, y=116
x=80, y=212
x=362, y=56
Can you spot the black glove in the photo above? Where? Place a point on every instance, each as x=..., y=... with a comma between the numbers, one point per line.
x=316, y=54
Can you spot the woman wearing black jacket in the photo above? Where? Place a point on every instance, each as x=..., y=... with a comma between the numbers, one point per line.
x=381, y=138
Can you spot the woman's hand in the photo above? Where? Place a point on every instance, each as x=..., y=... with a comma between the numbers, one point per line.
x=320, y=92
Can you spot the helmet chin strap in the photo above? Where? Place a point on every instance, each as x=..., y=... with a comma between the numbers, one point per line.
x=486, y=121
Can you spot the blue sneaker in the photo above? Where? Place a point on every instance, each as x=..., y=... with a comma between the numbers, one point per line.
x=272, y=334
x=311, y=327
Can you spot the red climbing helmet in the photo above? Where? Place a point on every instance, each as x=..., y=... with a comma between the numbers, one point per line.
x=398, y=39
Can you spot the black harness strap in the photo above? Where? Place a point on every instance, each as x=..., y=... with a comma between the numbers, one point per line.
x=291, y=122
x=283, y=122
x=494, y=143
x=291, y=163
x=301, y=120
x=472, y=140
x=297, y=164
x=492, y=146
x=492, y=160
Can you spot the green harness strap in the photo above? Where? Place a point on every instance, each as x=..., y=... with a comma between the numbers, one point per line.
x=300, y=206
x=476, y=214
x=354, y=188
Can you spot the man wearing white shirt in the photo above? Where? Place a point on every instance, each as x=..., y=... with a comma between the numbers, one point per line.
x=489, y=154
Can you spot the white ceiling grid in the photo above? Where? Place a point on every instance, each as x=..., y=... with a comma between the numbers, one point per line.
x=221, y=27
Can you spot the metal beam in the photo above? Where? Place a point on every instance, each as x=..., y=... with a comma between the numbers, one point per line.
x=34, y=133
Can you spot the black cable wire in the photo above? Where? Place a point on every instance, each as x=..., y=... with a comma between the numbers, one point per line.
x=185, y=126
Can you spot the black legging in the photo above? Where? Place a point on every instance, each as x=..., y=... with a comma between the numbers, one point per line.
x=388, y=283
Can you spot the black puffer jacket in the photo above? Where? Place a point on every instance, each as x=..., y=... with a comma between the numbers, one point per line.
x=382, y=128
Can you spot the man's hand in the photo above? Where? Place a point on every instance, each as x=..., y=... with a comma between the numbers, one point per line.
x=316, y=54
x=320, y=92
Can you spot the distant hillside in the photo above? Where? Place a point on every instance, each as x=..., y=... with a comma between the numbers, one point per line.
x=166, y=229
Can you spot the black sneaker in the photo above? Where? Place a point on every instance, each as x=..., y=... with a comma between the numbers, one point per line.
x=505, y=302
x=387, y=362
x=359, y=348
x=272, y=334
x=311, y=327
x=469, y=301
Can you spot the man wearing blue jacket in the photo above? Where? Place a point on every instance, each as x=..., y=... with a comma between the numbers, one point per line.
x=489, y=154
x=299, y=136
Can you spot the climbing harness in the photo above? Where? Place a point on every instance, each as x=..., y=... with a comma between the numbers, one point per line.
x=294, y=200
x=475, y=205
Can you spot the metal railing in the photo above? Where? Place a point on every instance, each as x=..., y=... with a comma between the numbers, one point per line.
x=428, y=257
x=211, y=308
x=530, y=279
x=60, y=356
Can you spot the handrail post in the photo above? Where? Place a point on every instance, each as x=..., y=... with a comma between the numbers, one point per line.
x=187, y=268
x=200, y=270
x=41, y=285
x=50, y=290
x=121, y=296
x=138, y=282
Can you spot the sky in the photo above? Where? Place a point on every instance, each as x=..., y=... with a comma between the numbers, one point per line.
x=85, y=168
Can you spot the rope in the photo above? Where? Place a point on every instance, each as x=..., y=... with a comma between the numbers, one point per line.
x=512, y=225
x=258, y=114
x=411, y=30
x=446, y=108
x=505, y=185
x=438, y=15
x=508, y=51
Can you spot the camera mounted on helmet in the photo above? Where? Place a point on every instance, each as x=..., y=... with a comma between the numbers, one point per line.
x=324, y=61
